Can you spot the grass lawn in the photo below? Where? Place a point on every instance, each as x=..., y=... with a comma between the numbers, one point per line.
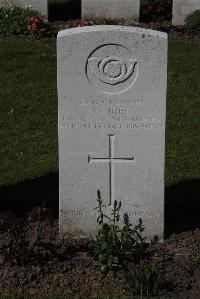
x=28, y=110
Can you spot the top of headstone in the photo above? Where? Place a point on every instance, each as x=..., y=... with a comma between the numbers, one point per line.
x=108, y=28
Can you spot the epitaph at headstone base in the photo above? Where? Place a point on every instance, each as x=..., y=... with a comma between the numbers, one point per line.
x=112, y=97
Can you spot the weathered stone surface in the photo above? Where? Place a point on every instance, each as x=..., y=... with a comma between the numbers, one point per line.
x=40, y=5
x=112, y=96
x=182, y=8
x=111, y=9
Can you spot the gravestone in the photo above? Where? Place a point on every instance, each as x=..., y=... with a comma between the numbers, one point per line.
x=111, y=9
x=111, y=102
x=182, y=8
x=40, y=5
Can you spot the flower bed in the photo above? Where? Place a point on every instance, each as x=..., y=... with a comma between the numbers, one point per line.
x=16, y=20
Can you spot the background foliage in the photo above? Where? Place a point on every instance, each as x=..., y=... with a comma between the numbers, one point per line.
x=15, y=20
x=192, y=21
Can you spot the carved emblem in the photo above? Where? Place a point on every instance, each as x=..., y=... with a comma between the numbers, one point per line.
x=113, y=70
x=111, y=74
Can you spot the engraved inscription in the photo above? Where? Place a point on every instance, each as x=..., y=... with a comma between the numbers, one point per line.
x=111, y=74
x=108, y=125
x=100, y=101
x=111, y=160
x=88, y=213
x=110, y=114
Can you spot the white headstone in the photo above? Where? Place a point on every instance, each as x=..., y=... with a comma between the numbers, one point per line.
x=111, y=9
x=111, y=101
x=40, y=5
x=182, y=8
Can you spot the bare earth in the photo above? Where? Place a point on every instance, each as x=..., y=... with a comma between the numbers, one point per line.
x=33, y=260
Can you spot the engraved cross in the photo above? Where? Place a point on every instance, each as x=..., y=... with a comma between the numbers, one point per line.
x=111, y=160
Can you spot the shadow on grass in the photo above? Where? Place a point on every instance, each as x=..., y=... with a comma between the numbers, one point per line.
x=22, y=197
x=182, y=205
x=65, y=11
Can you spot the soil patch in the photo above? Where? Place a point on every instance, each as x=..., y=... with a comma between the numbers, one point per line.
x=34, y=260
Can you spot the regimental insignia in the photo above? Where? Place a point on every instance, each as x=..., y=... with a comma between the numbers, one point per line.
x=111, y=74
x=112, y=70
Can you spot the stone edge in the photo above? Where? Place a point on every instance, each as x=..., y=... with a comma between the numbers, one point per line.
x=107, y=28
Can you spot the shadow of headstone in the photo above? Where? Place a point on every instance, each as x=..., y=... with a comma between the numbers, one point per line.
x=182, y=204
x=22, y=197
x=182, y=207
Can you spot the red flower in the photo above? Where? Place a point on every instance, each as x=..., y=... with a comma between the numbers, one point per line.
x=82, y=23
x=33, y=25
x=36, y=19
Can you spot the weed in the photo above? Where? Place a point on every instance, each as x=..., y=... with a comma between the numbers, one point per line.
x=114, y=247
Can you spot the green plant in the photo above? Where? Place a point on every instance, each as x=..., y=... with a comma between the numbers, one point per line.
x=192, y=21
x=16, y=20
x=114, y=247
x=146, y=280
